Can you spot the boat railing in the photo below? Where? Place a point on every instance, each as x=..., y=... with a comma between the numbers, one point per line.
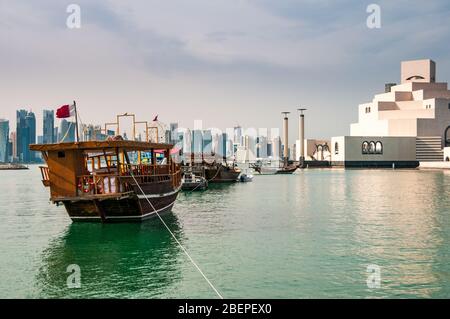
x=45, y=176
x=142, y=177
x=106, y=184
x=102, y=184
x=145, y=169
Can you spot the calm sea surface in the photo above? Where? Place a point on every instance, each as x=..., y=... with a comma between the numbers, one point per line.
x=311, y=234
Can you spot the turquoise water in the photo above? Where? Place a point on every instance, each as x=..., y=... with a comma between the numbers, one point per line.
x=311, y=234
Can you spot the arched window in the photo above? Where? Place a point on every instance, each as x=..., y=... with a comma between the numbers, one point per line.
x=447, y=136
x=325, y=148
x=415, y=77
x=379, y=148
x=336, y=148
x=365, y=147
x=319, y=148
x=372, y=147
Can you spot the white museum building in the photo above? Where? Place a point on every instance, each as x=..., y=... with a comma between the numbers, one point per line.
x=408, y=124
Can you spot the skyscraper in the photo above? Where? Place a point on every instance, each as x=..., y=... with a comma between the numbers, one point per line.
x=49, y=127
x=207, y=142
x=55, y=134
x=13, y=139
x=173, y=133
x=269, y=149
x=4, y=141
x=223, y=141
x=238, y=135
x=277, y=148
x=26, y=135
x=10, y=150
x=197, y=142
x=261, y=147
x=168, y=137
x=94, y=133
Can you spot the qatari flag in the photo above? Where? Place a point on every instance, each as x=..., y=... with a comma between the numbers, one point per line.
x=65, y=111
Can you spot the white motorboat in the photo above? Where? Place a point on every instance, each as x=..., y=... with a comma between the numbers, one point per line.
x=245, y=178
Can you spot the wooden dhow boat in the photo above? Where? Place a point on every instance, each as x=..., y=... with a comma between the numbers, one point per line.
x=262, y=169
x=287, y=170
x=96, y=181
x=221, y=173
x=213, y=169
x=192, y=182
x=193, y=178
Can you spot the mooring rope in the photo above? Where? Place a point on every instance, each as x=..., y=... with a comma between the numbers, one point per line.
x=175, y=238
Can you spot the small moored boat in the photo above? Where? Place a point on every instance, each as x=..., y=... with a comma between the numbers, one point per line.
x=269, y=169
x=287, y=170
x=192, y=182
x=245, y=178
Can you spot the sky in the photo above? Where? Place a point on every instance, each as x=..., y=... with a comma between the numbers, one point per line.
x=225, y=62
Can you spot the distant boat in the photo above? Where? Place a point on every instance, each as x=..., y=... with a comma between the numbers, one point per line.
x=220, y=173
x=266, y=170
x=192, y=182
x=287, y=170
x=12, y=167
x=269, y=169
x=245, y=178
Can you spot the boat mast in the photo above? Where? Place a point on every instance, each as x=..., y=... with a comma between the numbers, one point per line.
x=76, y=121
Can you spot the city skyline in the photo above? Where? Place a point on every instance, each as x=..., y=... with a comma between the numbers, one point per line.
x=187, y=61
x=212, y=141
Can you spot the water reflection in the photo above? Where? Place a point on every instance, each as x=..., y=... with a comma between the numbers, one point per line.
x=395, y=226
x=353, y=218
x=118, y=260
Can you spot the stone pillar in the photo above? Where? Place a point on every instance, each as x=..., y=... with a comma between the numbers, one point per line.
x=301, y=136
x=286, y=137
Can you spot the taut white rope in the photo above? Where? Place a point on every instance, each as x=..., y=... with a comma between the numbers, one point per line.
x=67, y=132
x=175, y=238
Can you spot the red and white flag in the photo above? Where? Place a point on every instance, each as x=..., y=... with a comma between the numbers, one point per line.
x=65, y=111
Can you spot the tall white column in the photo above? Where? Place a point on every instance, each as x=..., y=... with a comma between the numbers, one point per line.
x=286, y=136
x=301, y=134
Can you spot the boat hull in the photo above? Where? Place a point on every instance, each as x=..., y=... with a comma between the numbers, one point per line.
x=133, y=208
x=221, y=174
x=289, y=170
x=246, y=179
x=194, y=186
x=267, y=171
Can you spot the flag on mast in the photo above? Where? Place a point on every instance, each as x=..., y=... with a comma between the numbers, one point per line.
x=66, y=111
